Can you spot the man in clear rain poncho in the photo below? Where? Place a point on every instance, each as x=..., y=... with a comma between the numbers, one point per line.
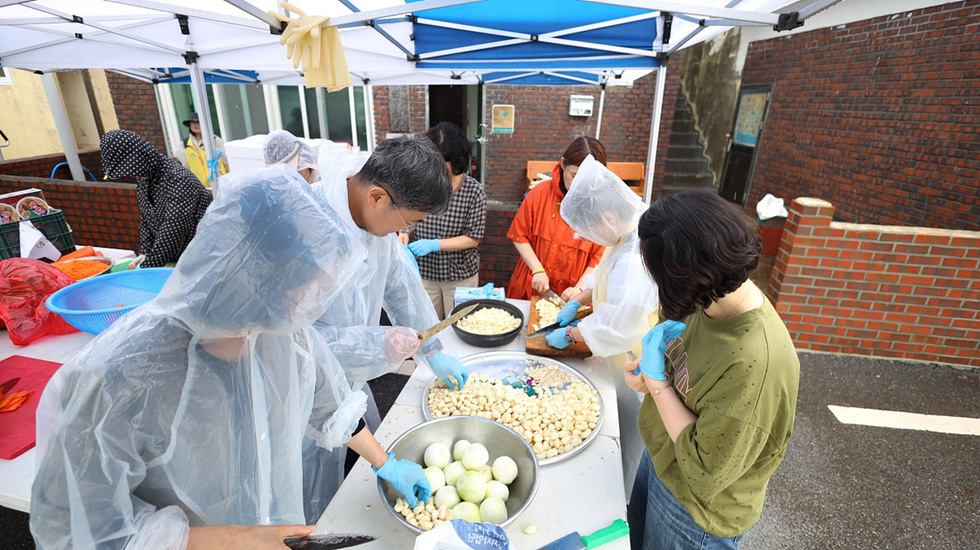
x=184, y=422
x=403, y=181
x=604, y=210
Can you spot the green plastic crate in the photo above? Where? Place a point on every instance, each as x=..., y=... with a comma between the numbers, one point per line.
x=53, y=226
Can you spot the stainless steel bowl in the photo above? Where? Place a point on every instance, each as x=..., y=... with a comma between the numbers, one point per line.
x=499, y=441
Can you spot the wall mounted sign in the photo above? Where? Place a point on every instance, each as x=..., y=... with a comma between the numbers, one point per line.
x=503, y=119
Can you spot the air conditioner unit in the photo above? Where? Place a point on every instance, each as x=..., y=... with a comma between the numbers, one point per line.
x=580, y=105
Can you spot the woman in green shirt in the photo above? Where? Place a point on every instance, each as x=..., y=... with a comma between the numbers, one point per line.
x=722, y=376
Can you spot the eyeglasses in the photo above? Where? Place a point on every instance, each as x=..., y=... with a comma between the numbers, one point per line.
x=407, y=227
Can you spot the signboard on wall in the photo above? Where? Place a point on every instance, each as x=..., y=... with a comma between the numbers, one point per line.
x=503, y=119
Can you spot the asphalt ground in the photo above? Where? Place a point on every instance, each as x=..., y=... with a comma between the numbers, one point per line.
x=841, y=486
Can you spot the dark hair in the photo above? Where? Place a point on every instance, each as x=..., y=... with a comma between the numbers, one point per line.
x=583, y=147
x=452, y=143
x=698, y=247
x=412, y=171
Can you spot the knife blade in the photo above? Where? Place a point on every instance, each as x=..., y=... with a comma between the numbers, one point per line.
x=575, y=541
x=327, y=542
x=582, y=313
x=551, y=294
x=431, y=331
x=8, y=385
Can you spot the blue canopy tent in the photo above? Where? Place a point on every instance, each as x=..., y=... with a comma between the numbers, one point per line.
x=385, y=41
x=554, y=42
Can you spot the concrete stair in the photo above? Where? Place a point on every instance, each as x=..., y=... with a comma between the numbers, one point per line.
x=687, y=167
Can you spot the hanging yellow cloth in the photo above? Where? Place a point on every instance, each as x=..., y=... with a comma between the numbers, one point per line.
x=314, y=43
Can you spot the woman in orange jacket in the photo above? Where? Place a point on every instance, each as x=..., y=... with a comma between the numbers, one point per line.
x=552, y=256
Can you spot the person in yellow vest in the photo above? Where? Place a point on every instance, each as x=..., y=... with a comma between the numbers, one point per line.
x=194, y=156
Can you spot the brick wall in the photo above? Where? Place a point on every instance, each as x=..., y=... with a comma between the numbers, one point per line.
x=40, y=167
x=136, y=108
x=543, y=129
x=901, y=292
x=880, y=117
x=100, y=214
x=418, y=109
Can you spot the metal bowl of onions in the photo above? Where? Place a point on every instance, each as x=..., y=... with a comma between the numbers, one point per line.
x=477, y=474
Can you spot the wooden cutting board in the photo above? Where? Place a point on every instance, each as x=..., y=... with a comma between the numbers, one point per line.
x=538, y=345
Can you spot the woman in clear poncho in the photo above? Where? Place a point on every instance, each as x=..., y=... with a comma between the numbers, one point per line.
x=604, y=210
x=192, y=410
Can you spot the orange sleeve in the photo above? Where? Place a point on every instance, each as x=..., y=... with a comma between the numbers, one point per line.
x=520, y=228
x=595, y=255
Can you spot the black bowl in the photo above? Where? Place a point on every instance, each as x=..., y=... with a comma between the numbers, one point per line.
x=489, y=340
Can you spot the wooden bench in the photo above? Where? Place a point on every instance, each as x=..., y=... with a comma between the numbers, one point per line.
x=633, y=173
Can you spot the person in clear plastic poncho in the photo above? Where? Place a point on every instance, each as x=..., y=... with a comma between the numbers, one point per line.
x=282, y=147
x=604, y=210
x=403, y=181
x=184, y=422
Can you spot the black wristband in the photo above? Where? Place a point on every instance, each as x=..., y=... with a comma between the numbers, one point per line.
x=360, y=426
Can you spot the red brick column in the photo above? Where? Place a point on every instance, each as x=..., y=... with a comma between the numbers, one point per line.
x=903, y=292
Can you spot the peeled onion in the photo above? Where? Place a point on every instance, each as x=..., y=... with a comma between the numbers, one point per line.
x=504, y=469
x=458, y=449
x=436, y=455
x=475, y=456
x=453, y=472
x=472, y=487
x=467, y=511
x=493, y=510
x=437, y=479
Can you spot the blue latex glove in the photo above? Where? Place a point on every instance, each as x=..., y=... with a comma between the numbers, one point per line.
x=422, y=247
x=655, y=347
x=445, y=366
x=407, y=478
x=568, y=312
x=411, y=256
x=488, y=290
x=556, y=339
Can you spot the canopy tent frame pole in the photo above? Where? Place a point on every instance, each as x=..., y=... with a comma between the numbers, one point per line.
x=602, y=100
x=369, y=117
x=658, y=108
x=200, y=94
x=53, y=94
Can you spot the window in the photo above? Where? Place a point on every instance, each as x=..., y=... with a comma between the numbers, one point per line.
x=239, y=111
x=5, y=77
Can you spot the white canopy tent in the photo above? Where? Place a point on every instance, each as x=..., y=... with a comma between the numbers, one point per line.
x=494, y=41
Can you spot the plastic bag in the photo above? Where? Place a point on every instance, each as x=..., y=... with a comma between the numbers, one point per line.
x=464, y=535
x=24, y=286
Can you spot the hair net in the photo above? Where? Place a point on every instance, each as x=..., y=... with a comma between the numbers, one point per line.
x=599, y=206
x=282, y=147
x=196, y=408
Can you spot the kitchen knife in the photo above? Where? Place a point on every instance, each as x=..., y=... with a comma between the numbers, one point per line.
x=575, y=541
x=8, y=385
x=583, y=312
x=326, y=542
x=551, y=294
x=431, y=331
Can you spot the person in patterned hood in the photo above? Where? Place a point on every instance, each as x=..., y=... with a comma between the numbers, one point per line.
x=171, y=199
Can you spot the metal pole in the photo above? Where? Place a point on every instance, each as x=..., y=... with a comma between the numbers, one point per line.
x=321, y=113
x=602, y=99
x=199, y=92
x=658, y=108
x=369, y=115
x=64, y=128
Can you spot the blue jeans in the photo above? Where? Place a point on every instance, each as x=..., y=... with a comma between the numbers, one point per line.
x=658, y=521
